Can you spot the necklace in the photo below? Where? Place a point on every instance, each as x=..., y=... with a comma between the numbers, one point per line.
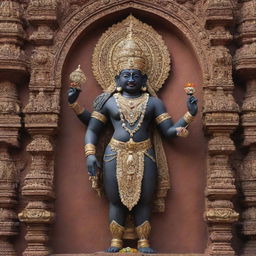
x=132, y=111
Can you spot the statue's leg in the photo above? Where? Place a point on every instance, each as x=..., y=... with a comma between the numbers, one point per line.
x=117, y=211
x=142, y=210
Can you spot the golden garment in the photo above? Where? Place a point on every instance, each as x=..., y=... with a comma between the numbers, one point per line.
x=130, y=169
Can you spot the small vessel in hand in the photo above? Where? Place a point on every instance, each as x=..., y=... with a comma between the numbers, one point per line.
x=189, y=88
x=77, y=78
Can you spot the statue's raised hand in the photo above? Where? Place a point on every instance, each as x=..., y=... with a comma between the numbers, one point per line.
x=92, y=165
x=192, y=105
x=73, y=94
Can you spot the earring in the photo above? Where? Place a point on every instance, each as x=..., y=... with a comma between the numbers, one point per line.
x=118, y=89
x=144, y=88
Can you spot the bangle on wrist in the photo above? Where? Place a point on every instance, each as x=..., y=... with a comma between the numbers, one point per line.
x=89, y=149
x=77, y=108
x=188, y=118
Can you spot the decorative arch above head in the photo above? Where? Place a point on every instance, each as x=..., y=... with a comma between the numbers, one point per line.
x=184, y=20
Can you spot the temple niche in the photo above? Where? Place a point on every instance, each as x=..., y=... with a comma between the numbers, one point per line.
x=47, y=205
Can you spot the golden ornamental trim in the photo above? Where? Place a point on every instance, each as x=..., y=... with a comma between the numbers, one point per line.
x=161, y=118
x=222, y=215
x=89, y=149
x=100, y=117
x=36, y=215
x=188, y=118
x=77, y=108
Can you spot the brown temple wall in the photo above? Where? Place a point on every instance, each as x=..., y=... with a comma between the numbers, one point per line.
x=81, y=224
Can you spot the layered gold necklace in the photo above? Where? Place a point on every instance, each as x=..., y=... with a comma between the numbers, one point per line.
x=132, y=111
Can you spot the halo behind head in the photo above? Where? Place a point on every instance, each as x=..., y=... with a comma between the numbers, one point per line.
x=131, y=44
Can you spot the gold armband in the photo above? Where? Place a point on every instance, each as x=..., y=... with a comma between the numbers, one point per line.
x=159, y=119
x=99, y=116
x=77, y=108
x=188, y=118
x=89, y=149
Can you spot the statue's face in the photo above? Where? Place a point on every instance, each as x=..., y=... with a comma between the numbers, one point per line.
x=131, y=80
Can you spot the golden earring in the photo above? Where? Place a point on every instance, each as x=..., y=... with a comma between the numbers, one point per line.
x=144, y=89
x=118, y=89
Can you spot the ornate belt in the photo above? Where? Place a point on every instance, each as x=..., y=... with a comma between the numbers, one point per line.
x=131, y=145
x=129, y=168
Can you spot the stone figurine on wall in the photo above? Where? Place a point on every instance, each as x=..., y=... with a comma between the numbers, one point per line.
x=131, y=63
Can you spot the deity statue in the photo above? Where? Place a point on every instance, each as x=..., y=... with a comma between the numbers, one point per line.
x=131, y=63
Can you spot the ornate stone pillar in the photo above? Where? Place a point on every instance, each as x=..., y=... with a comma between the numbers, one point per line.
x=13, y=67
x=38, y=190
x=41, y=122
x=245, y=65
x=220, y=120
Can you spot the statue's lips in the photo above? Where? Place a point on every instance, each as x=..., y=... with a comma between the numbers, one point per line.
x=131, y=84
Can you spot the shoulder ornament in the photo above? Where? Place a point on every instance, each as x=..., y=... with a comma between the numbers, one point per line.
x=100, y=101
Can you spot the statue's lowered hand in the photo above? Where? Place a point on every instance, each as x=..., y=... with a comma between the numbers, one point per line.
x=92, y=165
x=73, y=94
x=192, y=105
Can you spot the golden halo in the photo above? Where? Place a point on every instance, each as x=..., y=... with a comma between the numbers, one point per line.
x=154, y=49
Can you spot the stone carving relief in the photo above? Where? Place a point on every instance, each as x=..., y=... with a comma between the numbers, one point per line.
x=9, y=103
x=43, y=102
x=41, y=60
x=206, y=24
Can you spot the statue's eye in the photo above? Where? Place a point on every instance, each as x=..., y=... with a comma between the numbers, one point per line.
x=125, y=76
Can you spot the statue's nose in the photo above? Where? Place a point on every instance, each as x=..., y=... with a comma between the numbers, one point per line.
x=131, y=79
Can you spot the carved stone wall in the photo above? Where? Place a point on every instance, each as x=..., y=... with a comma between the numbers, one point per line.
x=245, y=65
x=13, y=67
x=220, y=119
x=41, y=122
x=222, y=34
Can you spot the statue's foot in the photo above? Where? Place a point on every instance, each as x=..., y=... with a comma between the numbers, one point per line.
x=146, y=250
x=113, y=249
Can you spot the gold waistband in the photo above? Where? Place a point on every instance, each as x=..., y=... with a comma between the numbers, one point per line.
x=131, y=145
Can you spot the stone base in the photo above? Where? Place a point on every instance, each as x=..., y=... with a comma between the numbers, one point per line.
x=130, y=254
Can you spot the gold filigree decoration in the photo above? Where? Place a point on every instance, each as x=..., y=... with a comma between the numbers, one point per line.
x=129, y=169
x=117, y=234
x=132, y=111
x=188, y=118
x=106, y=61
x=131, y=108
x=161, y=118
x=143, y=232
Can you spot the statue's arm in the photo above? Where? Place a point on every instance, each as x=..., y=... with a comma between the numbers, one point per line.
x=164, y=121
x=83, y=115
x=95, y=127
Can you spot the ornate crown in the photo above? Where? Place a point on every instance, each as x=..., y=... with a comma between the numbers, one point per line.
x=128, y=54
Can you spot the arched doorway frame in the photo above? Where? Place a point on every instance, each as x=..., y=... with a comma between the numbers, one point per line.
x=180, y=17
x=184, y=20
